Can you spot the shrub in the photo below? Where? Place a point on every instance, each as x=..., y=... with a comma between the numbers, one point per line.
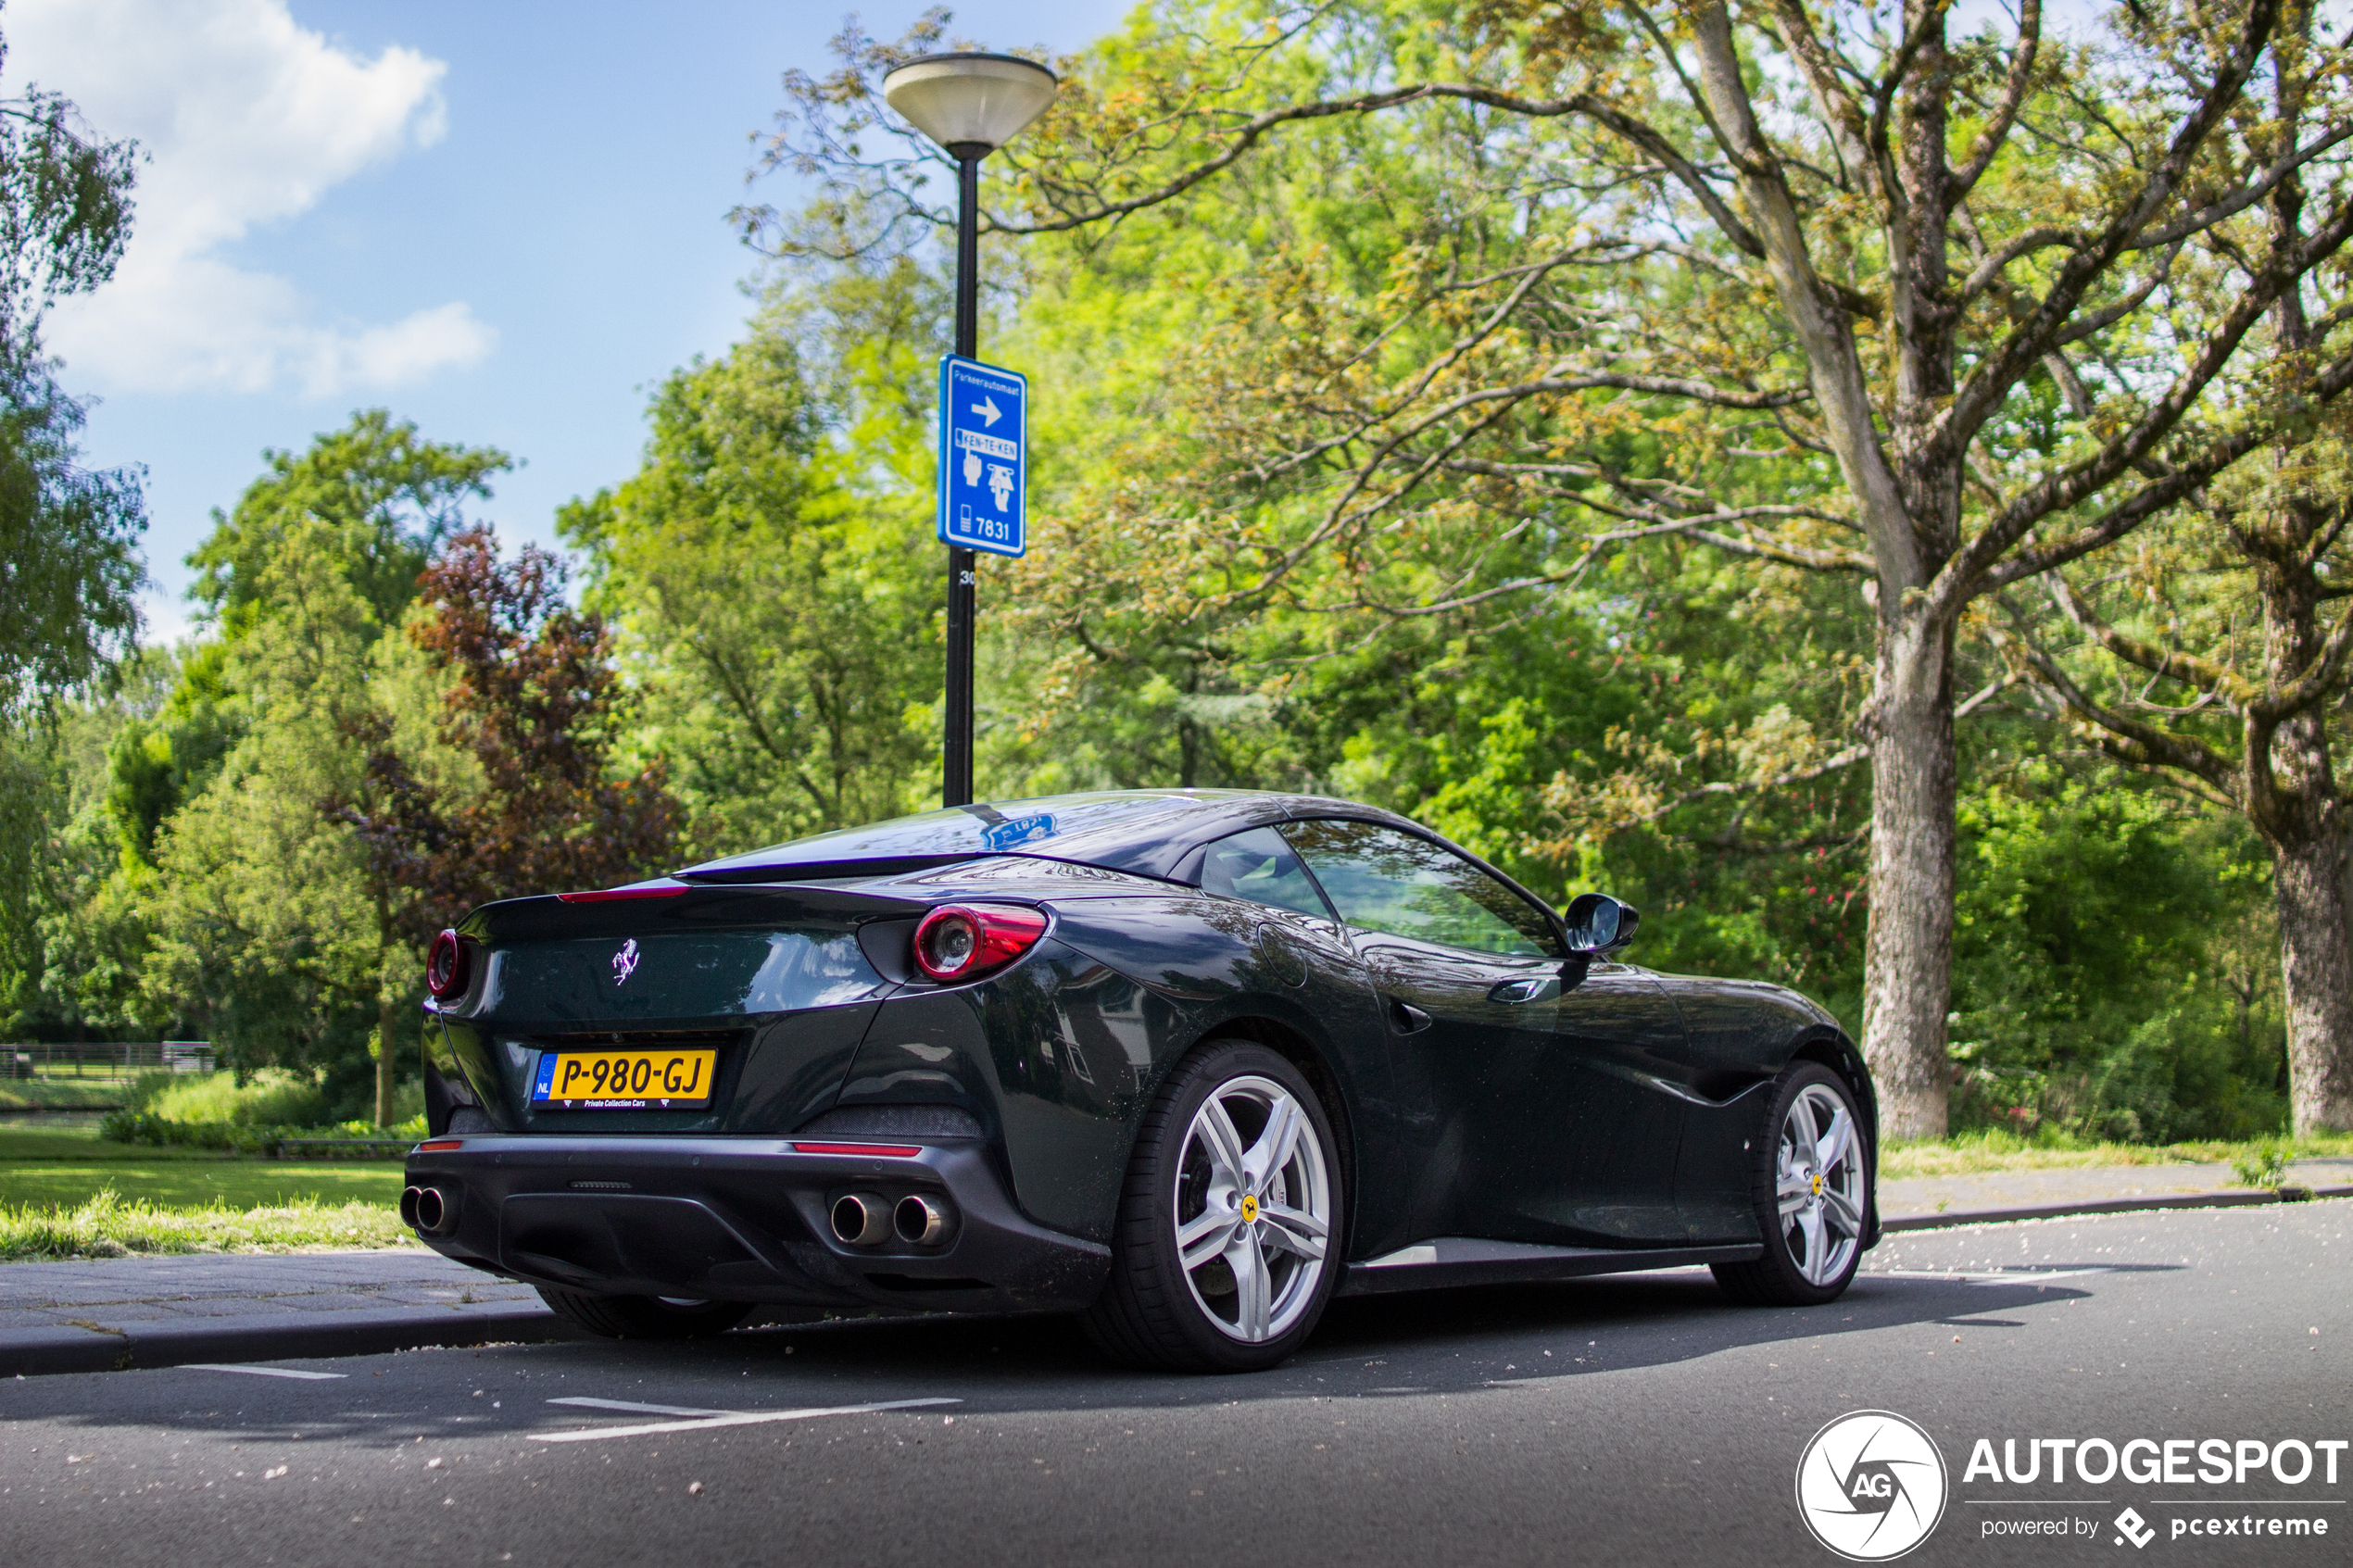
x=148, y=1085
x=161, y=1132
x=272, y=1096
x=2263, y=1164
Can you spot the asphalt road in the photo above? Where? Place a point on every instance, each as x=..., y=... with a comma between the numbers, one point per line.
x=1639, y=1419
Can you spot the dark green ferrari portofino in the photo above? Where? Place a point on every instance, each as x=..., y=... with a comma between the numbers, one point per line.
x=1187, y=1063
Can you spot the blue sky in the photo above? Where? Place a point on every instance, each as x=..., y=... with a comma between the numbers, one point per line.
x=505, y=222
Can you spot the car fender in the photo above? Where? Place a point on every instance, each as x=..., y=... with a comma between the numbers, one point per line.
x=1742, y=1036
x=1060, y=1056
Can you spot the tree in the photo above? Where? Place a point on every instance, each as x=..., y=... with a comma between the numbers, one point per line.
x=2217, y=656
x=69, y=568
x=265, y=932
x=768, y=568
x=275, y=925
x=389, y=497
x=1940, y=314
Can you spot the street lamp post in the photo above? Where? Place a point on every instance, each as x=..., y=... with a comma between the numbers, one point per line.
x=971, y=105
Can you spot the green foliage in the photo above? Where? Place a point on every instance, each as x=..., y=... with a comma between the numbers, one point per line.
x=216, y=1112
x=105, y=1226
x=266, y=926
x=180, y=725
x=69, y=566
x=384, y=496
x=777, y=609
x=64, y=208
x=271, y=1096
x=147, y=1127
x=2103, y=976
x=57, y=1094
x=146, y=1087
x=2051, y=1148
x=2263, y=1164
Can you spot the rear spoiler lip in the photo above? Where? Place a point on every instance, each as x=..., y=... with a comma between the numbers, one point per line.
x=787, y=873
x=793, y=874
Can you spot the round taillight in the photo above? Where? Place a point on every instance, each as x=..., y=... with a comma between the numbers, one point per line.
x=446, y=967
x=945, y=945
x=964, y=941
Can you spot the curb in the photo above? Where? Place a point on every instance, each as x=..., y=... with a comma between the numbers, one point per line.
x=39, y=1352
x=2108, y=1206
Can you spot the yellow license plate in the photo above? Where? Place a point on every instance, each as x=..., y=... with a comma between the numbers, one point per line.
x=626, y=1080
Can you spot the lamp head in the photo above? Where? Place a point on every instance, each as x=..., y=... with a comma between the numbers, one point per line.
x=970, y=99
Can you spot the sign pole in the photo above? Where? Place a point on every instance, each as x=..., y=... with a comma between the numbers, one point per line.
x=956, y=755
x=970, y=103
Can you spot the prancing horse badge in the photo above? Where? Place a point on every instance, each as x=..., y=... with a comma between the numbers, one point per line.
x=624, y=962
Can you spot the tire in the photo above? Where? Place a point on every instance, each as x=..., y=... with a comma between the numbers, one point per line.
x=644, y=1317
x=1266, y=1252
x=1813, y=1246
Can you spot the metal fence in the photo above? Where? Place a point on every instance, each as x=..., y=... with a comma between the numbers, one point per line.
x=104, y=1058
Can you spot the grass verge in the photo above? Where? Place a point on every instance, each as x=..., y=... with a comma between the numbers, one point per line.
x=60, y=1094
x=107, y=1225
x=200, y=1184
x=1978, y=1153
x=66, y=1167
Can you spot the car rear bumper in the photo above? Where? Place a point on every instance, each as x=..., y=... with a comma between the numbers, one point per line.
x=746, y=1218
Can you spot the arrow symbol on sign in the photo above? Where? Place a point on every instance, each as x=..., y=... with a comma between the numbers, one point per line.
x=988, y=411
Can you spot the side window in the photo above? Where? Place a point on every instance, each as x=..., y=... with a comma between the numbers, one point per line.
x=1386, y=881
x=1260, y=867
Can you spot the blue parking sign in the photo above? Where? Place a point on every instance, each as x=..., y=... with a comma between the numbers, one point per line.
x=984, y=456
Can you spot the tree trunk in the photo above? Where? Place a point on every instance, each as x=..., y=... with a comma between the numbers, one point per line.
x=388, y=1019
x=1909, y=953
x=2316, y=968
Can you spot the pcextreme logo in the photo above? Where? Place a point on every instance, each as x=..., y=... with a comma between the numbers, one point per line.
x=1870, y=1485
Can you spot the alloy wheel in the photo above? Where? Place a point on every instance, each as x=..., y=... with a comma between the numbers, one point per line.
x=1818, y=1181
x=1253, y=1209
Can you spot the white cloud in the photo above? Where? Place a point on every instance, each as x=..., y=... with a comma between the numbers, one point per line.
x=249, y=119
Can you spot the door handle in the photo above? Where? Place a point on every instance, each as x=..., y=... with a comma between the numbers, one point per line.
x=1406, y=1020
x=1513, y=992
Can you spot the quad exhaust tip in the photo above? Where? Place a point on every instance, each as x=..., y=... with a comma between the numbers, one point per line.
x=429, y=1211
x=921, y=1222
x=862, y=1219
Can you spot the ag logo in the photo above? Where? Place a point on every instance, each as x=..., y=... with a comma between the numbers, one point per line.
x=624, y=962
x=1870, y=1485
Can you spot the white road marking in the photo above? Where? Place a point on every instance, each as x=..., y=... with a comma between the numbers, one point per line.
x=637, y=1408
x=262, y=1370
x=733, y=1418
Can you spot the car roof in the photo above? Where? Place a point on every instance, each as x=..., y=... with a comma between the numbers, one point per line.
x=1148, y=832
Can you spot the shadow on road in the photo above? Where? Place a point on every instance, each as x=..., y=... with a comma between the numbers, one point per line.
x=1435, y=1343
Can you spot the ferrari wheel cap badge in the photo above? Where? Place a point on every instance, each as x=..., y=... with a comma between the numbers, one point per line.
x=1250, y=1210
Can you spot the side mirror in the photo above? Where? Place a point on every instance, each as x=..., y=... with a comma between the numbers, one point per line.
x=1599, y=924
